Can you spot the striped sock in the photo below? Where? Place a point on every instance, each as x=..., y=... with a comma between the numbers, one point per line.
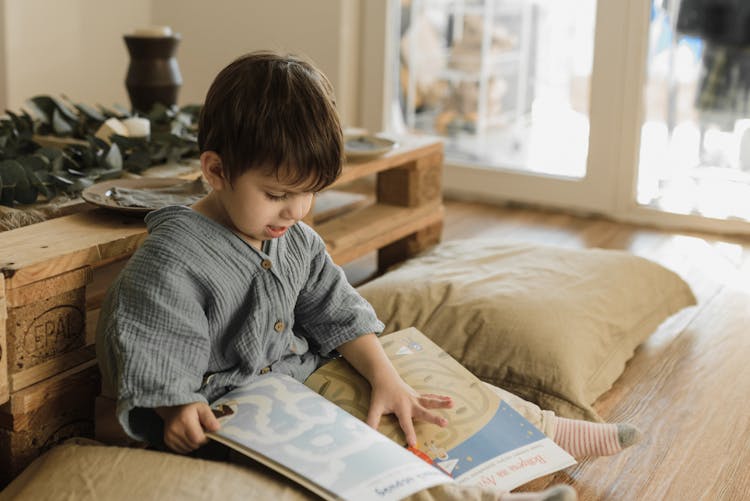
x=582, y=438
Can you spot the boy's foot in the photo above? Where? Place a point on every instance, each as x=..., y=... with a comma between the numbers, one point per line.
x=560, y=492
x=582, y=438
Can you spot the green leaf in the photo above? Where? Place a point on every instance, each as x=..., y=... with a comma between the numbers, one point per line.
x=64, y=110
x=75, y=172
x=7, y=195
x=14, y=174
x=34, y=163
x=60, y=126
x=97, y=143
x=26, y=194
x=42, y=106
x=138, y=161
x=113, y=159
x=49, y=153
x=90, y=112
x=74, y=166
x=40, y=180
x=123, y=111
x=103, y=175
x=129, y=143
x=81, y=184
x=61, y=180
x=66, y=162
x=109, y=112
x=158, y=152
x=158, y=113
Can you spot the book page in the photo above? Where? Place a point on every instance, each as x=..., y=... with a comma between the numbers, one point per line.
x=486, y=441
x=285, y=425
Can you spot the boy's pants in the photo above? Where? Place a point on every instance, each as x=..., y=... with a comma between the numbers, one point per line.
x=542, y=419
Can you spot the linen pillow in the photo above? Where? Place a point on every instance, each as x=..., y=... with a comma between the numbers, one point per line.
x=552, y=325
x=83, y=469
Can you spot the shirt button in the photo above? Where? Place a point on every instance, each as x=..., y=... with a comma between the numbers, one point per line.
x=278, y=326
x=266, y=264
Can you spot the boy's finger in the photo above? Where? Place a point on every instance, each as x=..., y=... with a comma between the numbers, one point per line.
x=194, y=435
x=436, y=396
x=177, y=443
x=207, y=419
x=427, y=416
x=408, y=428
x=373, y=417
x=435, y=401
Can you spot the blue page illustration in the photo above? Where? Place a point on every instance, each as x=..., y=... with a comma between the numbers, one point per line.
x=279, y=419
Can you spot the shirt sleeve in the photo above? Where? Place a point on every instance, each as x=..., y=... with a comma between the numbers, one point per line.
x=329, y=311
x=152, y=340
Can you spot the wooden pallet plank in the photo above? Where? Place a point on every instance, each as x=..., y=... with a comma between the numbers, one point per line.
x=49, y=248
x=416, y=183
x=47, y=369
x=29, y=399
x=408, y=150
x=45, y=327
x=355, y=234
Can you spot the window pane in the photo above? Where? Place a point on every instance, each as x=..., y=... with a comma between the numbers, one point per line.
x=695, y=139
x=506, y=82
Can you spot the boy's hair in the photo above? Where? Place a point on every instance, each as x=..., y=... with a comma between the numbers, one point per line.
x=276, y=112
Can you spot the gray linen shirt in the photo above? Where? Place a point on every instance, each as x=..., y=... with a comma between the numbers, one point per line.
x=198, y=311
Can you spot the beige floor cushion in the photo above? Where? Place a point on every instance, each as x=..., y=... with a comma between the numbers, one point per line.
x=552, y=325
x=85, y=470
x=82, y=469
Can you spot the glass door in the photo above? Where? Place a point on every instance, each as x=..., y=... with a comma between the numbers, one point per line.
x=637, y=109
x=511, y=86
x=693, y=167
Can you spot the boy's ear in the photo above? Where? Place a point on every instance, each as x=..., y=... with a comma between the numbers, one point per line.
x=213, y=170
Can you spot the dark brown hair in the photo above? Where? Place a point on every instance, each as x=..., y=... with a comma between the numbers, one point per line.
x=275, y=112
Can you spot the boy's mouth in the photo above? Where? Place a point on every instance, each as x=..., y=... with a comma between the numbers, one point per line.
x=276, y=231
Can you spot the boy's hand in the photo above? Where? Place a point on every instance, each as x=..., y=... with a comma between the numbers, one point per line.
x=391, y=395
x=184, y=425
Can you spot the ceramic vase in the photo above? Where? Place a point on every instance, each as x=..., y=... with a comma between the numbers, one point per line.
x=153, y=74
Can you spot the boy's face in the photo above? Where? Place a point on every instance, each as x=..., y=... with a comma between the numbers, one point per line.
x=261, y=206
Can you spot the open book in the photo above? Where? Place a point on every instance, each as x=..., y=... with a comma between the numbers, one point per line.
x=324, y=444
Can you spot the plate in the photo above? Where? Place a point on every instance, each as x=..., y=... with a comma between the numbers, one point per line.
x=365, y=146
x=140, y=196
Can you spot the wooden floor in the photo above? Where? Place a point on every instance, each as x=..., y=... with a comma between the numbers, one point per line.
x=687, y=387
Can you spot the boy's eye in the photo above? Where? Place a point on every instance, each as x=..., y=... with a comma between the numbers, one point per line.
x=273, y=196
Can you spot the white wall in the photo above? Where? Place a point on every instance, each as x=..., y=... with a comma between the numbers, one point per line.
x=71, y=47
x=75, y=47
x=214, y=33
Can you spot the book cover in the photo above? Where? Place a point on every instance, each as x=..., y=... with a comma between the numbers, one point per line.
x=324, y=444
x=486, y=442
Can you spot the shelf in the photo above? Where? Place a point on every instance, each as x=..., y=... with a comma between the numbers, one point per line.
x=408, y=149
x=361, y=231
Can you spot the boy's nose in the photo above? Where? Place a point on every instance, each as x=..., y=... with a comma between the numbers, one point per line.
x=298, y=207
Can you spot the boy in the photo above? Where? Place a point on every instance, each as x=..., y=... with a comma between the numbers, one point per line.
x=236, y=286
